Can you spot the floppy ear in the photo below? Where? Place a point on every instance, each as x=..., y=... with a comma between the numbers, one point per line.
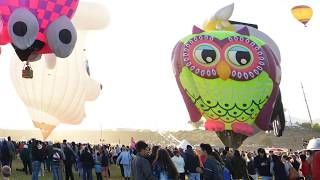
x=91, y=16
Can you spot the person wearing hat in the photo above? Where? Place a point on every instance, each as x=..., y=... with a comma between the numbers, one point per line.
x=25, y=158
x=37, y=154
x=314, y=149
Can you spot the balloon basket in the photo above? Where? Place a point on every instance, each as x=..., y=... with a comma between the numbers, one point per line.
x=27, y=72
x=231, y=139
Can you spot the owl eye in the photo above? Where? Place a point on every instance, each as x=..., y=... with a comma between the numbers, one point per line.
x=239, y=56
x=206, y=54
x=23, y=28
x=62, y=37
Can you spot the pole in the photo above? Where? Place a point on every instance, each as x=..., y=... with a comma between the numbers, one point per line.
x=290, y=118
x=305, y=99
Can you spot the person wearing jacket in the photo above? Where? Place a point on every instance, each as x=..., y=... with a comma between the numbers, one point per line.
x=315, y=166
x=125, y=159
x=105, y=164
x=213, y=168
x=178, y=161
x=192, y=162
x=56, y=158
x=25, y=158
x=87, y=162
x=141, y=168
x=37, y=155
x=251, y=168
x=69, y=161
x=262, y=163
x=277, y=168
x=305, y=167
x=239, y=167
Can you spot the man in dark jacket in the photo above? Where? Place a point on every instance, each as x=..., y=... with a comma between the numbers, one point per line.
x=141, y=168
x=213, y=169
x=87, y=161
x=68, y=162
x=37, y=154
x=239, y=167
x=192, y=162
x=262, y=163
x=25, y=158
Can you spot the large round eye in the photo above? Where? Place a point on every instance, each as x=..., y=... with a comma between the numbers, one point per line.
x=62, y=37
x=23, y=28
x=239, y=56
x=206, y=54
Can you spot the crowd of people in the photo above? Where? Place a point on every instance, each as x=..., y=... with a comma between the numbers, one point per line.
x=153, y=162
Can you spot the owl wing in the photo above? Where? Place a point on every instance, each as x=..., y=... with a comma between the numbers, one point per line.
x=177, y=63
x=264, y=120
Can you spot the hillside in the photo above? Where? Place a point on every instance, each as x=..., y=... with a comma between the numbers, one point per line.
x=293, y=137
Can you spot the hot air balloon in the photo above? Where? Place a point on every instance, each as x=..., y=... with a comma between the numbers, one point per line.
x=60, y=87
x=302, y=13
x=229, y=74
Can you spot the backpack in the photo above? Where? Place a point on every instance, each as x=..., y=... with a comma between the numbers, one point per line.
x=56, y=157
x=5, y=150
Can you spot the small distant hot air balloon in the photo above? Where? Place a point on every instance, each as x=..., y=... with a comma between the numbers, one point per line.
x=302, y=13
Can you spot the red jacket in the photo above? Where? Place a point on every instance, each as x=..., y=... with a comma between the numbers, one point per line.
x=316, y=166
x=306, y=169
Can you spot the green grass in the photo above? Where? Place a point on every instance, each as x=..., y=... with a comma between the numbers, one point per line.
x=18, y=175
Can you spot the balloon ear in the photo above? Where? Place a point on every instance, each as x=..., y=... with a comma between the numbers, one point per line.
x=244, y=31
x=197, y=30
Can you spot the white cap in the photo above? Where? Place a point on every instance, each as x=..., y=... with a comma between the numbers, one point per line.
x=314, y=144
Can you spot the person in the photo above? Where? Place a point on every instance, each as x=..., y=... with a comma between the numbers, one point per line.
x=153, y=154
x=70, y=159
x=315, y=166
x=141, y=168
x=226, y=157
x=163, y=167
x=98, y=167
x=262, y=163
x=105, y=164
x=56, y=157
x=25, y=158
x=12, y=151
x=6, y=172
x=305, y=167
x=251, y=168
x=239, y=168
x=87, y=162
x=192, y=162
x=37, y=155
x=5, y=154
x=295, y=162
x=277, y=168
x=125, y=159
x=178, y=161
x=213, y=168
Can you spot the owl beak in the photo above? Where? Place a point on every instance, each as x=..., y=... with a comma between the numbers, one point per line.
x=223, y=70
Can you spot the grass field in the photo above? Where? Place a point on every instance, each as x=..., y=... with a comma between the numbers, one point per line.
x=18, y=175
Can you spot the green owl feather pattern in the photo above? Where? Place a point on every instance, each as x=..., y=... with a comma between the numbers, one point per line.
x=227, y=100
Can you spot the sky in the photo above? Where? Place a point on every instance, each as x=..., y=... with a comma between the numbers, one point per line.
x=132, y=59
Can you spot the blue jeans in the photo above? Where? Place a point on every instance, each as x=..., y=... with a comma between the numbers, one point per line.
x=266, y=178
x=127, y=170
x=56, y=172
x=36, y=166
x=194, y=176
x=87, y=174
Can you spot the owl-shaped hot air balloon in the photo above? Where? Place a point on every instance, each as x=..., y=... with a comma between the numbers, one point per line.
x=229, y=74
x=60, y=89
x=36, y=27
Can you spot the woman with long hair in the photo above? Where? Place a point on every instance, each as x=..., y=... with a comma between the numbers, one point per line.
x=163, y=167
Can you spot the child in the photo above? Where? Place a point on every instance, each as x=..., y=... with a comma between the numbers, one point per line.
x=6, y=172
x=98, y=167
